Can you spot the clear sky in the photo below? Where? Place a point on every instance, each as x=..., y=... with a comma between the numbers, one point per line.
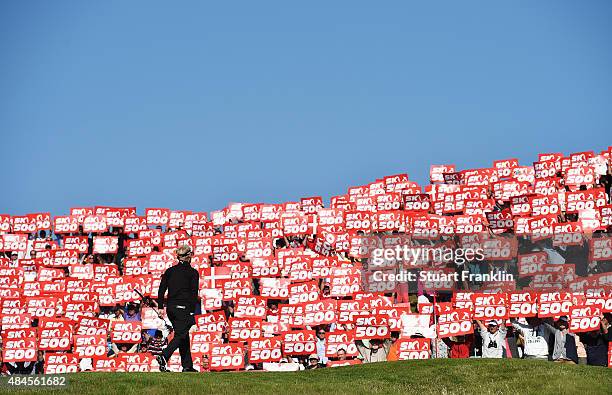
x=194, y=104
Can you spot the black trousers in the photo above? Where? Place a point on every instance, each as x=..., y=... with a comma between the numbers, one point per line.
x=181, y=320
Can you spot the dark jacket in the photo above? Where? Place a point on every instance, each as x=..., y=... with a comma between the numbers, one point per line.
x=182, y=283
x=596, y=347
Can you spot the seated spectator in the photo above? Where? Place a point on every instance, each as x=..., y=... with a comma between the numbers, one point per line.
x=156, y=344
x=132, y=312
x=313, y=362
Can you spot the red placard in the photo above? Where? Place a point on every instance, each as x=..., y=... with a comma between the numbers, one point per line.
x=95, y=224
x=89, y=346
x=419, y=348
x=157, y=216
x=340, y=340
x=201, y=341
x=490, y=306
x=242, y=329
x=265, y=349
x=19, y=350
x=455, y=323
x=584, y=318
x=78, y=243
x=135, y=362
x=375, y=326
x=228, y=356
x=554, y=304
x=126, y=332
x=250, y=307
x=299, y=342
x=55, y=339
x=105, y=244
x=522, y=304
x=65, y=224
x=61, y=363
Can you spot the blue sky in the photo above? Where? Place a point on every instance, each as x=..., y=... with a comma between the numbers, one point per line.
x=194, y=104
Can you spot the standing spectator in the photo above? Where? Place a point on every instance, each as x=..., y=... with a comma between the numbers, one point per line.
x=392, y=355
x=596, y=343
x=372, y=350
x=321, y=345
x=493, y=339
x=535, y=337
x=39, y=365
x=459, y=346
x=562, y=346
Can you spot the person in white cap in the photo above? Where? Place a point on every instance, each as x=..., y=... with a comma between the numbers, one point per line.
x=493, y=339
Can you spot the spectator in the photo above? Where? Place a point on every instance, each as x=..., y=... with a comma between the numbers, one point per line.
x=596, y=343
x=313, y=362
x=117, y=314
x=392, y=355
x=562, y=347
x=459, y=346
x=373, y=350
x=123, y=348
x=39, y=365
x=155, y=344
x=14, y=258
x=205, y=367
x=132, y=312
x=493, y=339
x=321, y=345
x=535, y=335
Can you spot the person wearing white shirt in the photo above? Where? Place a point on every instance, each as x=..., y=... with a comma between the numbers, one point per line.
x=493, y=339
x=535, y=335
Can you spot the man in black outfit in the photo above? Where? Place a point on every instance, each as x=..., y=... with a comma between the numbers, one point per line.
x=182, y=283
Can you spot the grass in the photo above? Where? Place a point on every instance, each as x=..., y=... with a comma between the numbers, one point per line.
x=442, y=376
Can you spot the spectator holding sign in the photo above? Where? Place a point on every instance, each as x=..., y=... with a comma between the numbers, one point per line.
x=596, y=343
x=459, y=346
x=493, y=339
x=373, y=350
x=535, y=337
x=132, y=312
x=562, y=346
x=117, y=314
x=155, y=344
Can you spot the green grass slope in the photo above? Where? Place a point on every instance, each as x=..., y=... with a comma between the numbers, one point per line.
x=421, y=377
